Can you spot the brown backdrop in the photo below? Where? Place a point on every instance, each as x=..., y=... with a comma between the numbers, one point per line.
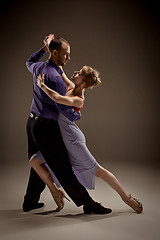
x=119, y=38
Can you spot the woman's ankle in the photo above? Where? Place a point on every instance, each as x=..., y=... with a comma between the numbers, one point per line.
x=132, y=202
x=125, y=198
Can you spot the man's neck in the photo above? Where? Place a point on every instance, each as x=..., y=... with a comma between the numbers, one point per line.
x=51, y=58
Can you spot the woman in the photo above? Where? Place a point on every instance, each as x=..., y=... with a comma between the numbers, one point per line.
x=83, y=163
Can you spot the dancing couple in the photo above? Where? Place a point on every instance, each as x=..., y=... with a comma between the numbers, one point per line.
x=57, y=149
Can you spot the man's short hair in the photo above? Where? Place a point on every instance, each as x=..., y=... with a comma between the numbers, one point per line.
x=56, y=43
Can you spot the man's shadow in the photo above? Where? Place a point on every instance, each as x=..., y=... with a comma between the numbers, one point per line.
x=85, y=217
x=17, y=221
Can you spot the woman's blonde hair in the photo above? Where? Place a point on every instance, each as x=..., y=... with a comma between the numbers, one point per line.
x=91, y=77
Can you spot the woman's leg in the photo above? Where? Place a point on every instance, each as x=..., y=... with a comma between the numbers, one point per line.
x=45, y=175
x=109, y=178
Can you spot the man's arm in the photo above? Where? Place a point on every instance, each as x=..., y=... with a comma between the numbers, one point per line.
x=34, y=59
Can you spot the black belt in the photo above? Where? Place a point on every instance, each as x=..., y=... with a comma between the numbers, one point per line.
x=40, y=118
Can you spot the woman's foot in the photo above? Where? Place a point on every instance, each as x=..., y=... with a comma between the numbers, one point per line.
x=59, y=199
x=134, y=204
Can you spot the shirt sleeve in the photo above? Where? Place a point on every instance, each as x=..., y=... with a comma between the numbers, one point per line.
x=34, y=59
x=67, y=111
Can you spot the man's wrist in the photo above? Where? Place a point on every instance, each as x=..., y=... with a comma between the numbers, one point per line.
x=45, y=48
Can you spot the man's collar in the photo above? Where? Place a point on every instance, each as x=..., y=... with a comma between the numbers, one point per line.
x=51, y=63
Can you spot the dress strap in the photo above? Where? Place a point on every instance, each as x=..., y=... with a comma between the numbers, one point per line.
x=70, y=89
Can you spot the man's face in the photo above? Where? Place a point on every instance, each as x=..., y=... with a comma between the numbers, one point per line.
x=63, y=55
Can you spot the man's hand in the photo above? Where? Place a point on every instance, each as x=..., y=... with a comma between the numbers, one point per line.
x=47, y=41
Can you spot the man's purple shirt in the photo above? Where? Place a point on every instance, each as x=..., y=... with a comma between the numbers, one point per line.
x=42, y=105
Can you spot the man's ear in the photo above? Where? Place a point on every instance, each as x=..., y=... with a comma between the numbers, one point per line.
x=55, y=52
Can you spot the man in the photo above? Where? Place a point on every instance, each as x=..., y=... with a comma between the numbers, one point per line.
x=44, y=133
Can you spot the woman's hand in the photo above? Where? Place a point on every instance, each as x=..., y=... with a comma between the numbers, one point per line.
x=47, y=41
x=40, y=80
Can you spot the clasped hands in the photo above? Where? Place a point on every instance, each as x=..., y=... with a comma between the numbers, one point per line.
x=47, y=41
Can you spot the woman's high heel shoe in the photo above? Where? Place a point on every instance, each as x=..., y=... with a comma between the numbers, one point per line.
x=59, y=199
x=139, y=208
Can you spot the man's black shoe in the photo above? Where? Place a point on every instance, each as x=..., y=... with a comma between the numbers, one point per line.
x=96, y=208
x=33, y=206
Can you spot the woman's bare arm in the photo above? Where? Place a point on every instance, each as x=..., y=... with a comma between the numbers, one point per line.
x=55, y=96
x=69, y=84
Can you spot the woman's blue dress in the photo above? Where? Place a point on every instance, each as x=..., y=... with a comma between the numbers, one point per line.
x=83, y=163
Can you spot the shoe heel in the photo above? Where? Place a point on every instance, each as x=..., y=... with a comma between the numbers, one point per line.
x=67, y=198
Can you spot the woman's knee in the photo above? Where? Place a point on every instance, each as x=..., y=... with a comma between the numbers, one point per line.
x=32, y=161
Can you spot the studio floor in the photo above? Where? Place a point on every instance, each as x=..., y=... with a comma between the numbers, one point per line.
x=71, y=223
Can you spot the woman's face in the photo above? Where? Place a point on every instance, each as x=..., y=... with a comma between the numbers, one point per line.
x=77, y=78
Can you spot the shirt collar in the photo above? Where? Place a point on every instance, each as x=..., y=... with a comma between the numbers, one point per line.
x=51, y=63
